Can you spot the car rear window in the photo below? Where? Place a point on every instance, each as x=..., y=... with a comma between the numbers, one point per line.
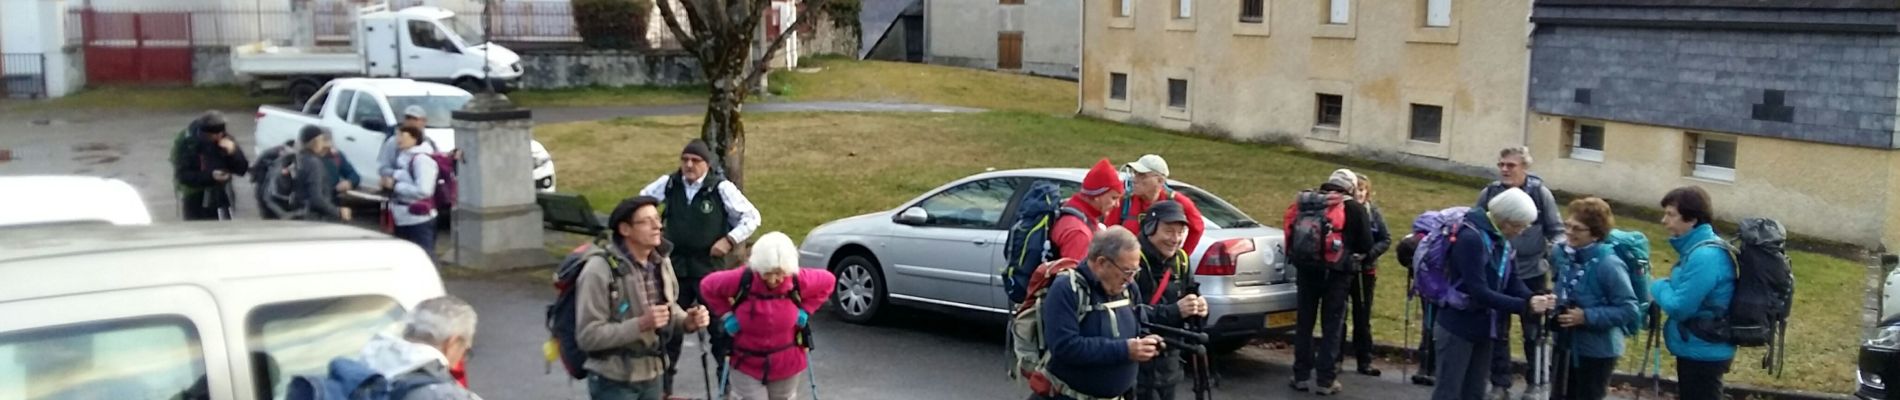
x=300, y=338
x=1223, y=215
x=157, y=357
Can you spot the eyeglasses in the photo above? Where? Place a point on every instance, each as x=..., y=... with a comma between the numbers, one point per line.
x=1127, y=272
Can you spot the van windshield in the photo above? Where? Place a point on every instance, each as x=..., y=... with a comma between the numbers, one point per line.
x=438, y=107
x=465, y=30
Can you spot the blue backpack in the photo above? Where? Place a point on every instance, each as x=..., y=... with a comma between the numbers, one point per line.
x=349, y=379
x=1632, y=248
x=1029, y=245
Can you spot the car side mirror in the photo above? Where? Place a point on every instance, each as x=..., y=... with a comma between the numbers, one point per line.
x=912, y=216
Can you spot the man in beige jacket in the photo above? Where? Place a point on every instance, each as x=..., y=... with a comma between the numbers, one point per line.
x=627, y=306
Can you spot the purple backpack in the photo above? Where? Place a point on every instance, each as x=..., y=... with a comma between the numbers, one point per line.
x=1432, y=278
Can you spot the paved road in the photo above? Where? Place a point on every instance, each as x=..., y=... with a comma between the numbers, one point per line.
x=919, y=355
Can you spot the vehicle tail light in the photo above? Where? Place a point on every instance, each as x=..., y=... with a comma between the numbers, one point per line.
x=1223, y=258
x=260, y=115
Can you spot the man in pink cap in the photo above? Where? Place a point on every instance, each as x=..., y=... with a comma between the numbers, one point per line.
x=1101, y=191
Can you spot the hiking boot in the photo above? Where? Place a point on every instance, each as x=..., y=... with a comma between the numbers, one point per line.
x=1330, y=390
x=1424, y=380
x=1536, y=392
x=1499, y=393
x=1300, y=385
x=1369, y=371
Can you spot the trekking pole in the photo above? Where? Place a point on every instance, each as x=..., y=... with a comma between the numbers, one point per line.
x=1405, y=338
x=705, y=355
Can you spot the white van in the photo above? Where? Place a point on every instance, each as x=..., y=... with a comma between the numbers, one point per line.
x=68, y=199
x=225, y=310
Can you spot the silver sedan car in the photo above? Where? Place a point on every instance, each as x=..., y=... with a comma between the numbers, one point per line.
x=945, y=249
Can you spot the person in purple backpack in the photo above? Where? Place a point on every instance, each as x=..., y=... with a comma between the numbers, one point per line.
x=1479, y=269
x=411, y=205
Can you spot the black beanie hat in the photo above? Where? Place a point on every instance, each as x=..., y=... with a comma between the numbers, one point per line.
x=310, y=132
x=698, y=147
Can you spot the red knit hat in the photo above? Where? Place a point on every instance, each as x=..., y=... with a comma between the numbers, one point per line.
x=1102, y=179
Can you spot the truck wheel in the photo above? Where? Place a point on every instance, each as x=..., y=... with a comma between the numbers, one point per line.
x=472, y=85
x=301, y=90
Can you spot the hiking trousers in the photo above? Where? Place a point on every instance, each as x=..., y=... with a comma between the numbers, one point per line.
x=1359, y=296
x=745, y=387
x=599, y=388
x=1322, y=295
x=1462, y=366
x=1700, y=380
x=1532, y=325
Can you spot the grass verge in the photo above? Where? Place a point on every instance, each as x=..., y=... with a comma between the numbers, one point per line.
x=810, y=168
x=606, y=96
x=849, y=80
x=150, y=99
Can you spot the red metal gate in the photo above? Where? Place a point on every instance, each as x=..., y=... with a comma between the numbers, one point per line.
x=137, y=48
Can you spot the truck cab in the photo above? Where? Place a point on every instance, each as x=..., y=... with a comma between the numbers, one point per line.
x=421, y=43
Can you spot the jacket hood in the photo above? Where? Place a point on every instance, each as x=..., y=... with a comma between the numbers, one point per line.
x=392, y=356
x=1701, y=233
x=1076, y=202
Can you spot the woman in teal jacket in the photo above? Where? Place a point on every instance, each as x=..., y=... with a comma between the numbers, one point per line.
x=1699, y=286
x=1596, y=300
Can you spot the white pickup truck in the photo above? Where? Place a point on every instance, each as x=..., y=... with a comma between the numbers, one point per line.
x=345, y=106
x=422, y=43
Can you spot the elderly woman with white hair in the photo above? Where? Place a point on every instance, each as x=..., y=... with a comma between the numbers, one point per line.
x=1479, y=265
x=765, y=307
x=436, y=336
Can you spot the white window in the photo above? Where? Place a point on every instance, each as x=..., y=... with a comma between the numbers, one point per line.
x=1341, y=12
x=1184, y=8
x=1586, y=141
x=1127, y=7
x=1714, y=158
x=1438, y=13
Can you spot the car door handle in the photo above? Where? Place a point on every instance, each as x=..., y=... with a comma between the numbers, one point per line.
x=979, y=242
x=349, y=138
x=415, y=57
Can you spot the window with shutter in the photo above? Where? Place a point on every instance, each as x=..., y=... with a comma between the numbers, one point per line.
x=1009, y=50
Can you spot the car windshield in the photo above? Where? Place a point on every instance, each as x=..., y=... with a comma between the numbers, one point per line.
x=438, y=107
x=1221, y=214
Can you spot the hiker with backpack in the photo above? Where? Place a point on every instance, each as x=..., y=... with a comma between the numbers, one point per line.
x=414, y=365
x=627, y=305
x=1364, y=283
x=1050, y=228
x=388, y=160
x=1546, y=230
x=337, y=168
x=706, y=217
x=1327, y=235
x=204, y=159
x=1468, y=273
x=1594, y=302
x=1167, y=292
x=1088, y=327
x=1406, y=250
x=412, y=206
x=1102, y=191
x=298, y=187
x=767, y=308
x=1149, y=185
x=1700, y=286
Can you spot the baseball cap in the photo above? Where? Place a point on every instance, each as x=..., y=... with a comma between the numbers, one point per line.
x=415, y=111
x=1148, y=164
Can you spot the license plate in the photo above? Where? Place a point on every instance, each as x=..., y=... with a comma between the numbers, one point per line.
x=1280, y=320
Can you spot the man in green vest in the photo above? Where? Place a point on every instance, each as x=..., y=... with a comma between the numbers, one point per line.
x=705, y=217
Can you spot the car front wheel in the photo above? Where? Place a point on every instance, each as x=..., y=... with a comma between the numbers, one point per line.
x=861, y=291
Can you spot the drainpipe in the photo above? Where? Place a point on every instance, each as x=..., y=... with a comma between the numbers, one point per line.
x=1082, y=40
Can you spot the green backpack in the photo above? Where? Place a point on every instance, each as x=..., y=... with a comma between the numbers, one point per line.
x=1633, y=248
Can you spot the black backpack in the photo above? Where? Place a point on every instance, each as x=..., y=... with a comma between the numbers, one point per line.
x=562, y=323
x=278, y=190
x=1764, y=293
x=1313, y=237
x=1031, y=240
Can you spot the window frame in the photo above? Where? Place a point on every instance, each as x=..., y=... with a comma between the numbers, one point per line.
x=1183, y=9
x=1117, y=86
x=1320, y=108
x=1253, y=19
x=1447, y=16
x=1338, y=12
x=1185, y=95
x=1699, y=166
x=1573, y=139
x=1437, y=123
x=1008, y=203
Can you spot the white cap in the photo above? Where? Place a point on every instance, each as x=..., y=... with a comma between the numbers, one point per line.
x=1513, y=206
x=774, y=252
x=415, y=111
x=1148, y=164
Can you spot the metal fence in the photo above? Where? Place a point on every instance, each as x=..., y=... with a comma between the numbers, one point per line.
x=539, y=21
x=23, y=75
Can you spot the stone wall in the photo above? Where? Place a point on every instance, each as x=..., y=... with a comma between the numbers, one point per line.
x=211, y=66
x=554, y=69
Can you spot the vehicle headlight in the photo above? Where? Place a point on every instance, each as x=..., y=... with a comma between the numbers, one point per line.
x=1886, y=338
x=542, y=160
x=1870, y=380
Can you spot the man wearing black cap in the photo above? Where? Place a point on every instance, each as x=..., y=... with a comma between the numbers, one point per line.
x=706, y=217
x=310, y=180
x=627, y=305
x=1162, y=287
x=203, y=161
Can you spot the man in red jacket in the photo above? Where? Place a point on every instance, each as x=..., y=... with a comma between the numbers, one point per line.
x=1150, y=185
x=1101, y=191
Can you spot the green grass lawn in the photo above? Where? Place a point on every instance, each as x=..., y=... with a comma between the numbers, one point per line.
x=151, y=99
x=806, y=169
x=850, y=80
x=605, y=96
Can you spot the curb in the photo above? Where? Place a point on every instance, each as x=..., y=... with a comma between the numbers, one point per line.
x=1667, y=385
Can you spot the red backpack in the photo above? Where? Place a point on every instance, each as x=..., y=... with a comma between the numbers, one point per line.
x=445, y=186
x=1314, y=226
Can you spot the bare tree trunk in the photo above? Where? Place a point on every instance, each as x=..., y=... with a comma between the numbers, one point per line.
x=725, y=132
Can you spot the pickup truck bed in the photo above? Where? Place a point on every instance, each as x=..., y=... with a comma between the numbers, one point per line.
x=262, y=59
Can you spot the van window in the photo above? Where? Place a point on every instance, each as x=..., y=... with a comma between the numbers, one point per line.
x=158, y=357
x=300, y=338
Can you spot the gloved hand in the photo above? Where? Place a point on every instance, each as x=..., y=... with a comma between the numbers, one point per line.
x=732, y=324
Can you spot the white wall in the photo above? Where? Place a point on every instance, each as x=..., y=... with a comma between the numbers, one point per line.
x=963, y=33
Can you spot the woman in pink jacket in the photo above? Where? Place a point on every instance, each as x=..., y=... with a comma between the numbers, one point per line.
x=767, y=323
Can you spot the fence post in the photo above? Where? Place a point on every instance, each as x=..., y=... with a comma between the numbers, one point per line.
x=46, y=90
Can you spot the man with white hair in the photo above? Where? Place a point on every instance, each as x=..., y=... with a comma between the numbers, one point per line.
x=435, y=337
x=1478, y=269
x=1546, y=229
x=766, y=307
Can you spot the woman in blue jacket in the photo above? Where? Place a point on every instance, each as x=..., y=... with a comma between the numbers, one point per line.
x=1699, y=286
x=1479, y=267
x=1594, y=299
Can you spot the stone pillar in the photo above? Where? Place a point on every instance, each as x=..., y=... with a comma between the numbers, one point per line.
x=497, y=224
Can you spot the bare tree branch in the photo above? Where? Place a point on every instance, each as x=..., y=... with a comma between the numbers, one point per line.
x=723, y=11
x=806, y=14
x=690, y=41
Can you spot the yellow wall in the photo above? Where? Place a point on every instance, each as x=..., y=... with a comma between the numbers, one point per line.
x=1256, y=81
x=1828, y=191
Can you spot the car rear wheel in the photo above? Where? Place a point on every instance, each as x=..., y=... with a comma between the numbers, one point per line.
x=861, y=292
